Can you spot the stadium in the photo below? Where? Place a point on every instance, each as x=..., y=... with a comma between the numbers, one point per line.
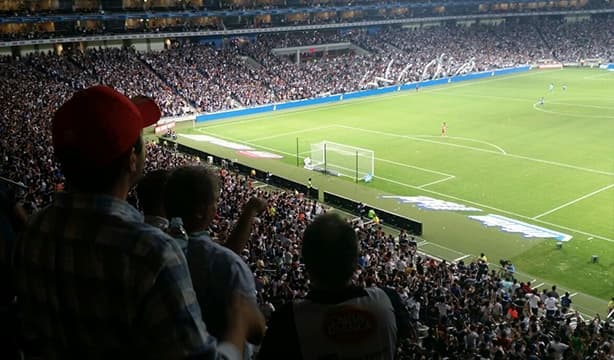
x=470, y=145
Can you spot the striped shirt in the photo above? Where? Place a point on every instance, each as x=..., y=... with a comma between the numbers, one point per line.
x=96, y=282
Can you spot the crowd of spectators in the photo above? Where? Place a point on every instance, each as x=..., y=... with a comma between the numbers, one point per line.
x=200, y=71
x=25, y=146
x=464, y=309
x=570, y=42
x=467, y=309
x=190, y=77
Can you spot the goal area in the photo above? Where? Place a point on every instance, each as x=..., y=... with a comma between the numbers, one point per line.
x=342, y=160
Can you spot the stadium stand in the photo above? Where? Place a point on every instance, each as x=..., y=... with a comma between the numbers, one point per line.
x=466, y=309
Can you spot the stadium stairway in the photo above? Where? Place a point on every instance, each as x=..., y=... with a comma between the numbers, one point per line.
x=251, y=62
x=168, y=83
x=543, y=39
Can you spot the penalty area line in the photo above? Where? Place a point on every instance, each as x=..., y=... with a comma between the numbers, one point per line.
x=203, y=131
x=461, y=258
x=573, y=201
x=436, y=182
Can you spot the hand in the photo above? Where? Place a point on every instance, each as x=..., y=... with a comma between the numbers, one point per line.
x=255, y=205
x=245, y=317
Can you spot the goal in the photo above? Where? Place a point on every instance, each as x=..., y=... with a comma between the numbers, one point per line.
x=342, y=160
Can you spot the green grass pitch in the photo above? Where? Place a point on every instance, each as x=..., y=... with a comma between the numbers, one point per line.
x=550, y=165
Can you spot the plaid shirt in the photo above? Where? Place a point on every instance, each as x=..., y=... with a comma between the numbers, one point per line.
x=95, y=281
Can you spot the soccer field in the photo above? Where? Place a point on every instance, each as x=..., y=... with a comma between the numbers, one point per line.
x=549, y=165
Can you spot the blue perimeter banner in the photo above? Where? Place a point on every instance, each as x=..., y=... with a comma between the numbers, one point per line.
x=358, y=94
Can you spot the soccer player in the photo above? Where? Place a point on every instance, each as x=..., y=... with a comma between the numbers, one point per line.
x=541, y=101
x=551, y=87
x=564, y=87
x=444, y=129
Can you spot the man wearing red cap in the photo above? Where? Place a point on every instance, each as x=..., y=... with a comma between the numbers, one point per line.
x=94, y=280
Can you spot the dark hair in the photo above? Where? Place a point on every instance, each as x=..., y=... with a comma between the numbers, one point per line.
x=330, y=250
x=84, y=176
x=188, y=189
x=150, y=191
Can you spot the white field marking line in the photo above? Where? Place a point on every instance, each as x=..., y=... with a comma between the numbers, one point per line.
x=290, y=133
x=531, y=100
x=501, y=150
x=599, y=76
x=571, y=115
x=447, y=248
x=436, y=182
x=429, y=256
x=574, y=201
x=203, y=131
x=528, y=100
x=590, y=98
x=250, y=142
x=571, y=229
x=422, y=243
x=483, y=150
x=489, y=97
x=582, y=105
x=382, y=160
x=526, y=275
x=497, y=209
x=419, y=138
x=446, y=195
x=415, y=167
x=461, y=258
x=436, y=88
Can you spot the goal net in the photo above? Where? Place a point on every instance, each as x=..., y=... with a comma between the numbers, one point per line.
x=342, y=160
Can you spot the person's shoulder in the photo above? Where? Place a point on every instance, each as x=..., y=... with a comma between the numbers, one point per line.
x=152, y=243
x=218, y=251
x=152, y=234
x=390, y=293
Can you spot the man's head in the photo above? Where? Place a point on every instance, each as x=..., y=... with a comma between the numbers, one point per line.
x=150, y=191
x=192, y=193
x=330, y=251
x=97, y=138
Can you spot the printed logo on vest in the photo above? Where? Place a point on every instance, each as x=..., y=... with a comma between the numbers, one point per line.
x=349, y=324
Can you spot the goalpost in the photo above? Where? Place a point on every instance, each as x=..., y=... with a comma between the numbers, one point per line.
x=342, y=160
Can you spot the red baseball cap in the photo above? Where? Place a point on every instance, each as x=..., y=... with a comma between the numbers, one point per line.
x=100, y=124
